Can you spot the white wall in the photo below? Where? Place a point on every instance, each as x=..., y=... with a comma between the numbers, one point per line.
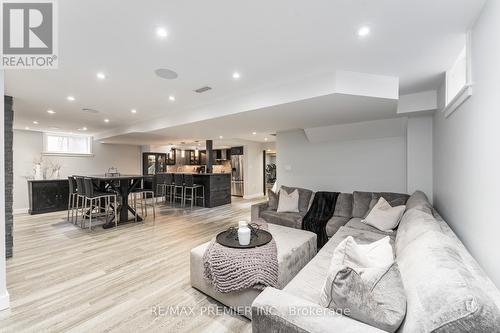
x=377, y=164
x=467, y=154
x=4, y=294
x=28, y=146
x=253, y=172
x=419, y=155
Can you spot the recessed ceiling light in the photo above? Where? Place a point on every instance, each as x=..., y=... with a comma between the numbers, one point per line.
x=83, y=129
x=364, y=31
x=26, y=128
x=70, y=98
x=171, y=98
x=269, y=150
x=236, y=75
x=106, y=120
x=161, y=32
x=35, y=122
x=51, y=111
x=221, y=137
x=254, y=133
x=101, y=76
x=133, y=111
x=265, y=139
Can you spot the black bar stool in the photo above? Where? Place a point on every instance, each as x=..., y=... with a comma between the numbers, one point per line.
x=73, y=199
x=193, y=188
x=179, y=185
x=80, y=191
x=94, y=199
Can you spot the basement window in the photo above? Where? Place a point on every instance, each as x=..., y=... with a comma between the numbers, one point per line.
x=67, y=144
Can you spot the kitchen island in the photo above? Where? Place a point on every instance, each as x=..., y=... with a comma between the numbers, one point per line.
x=217, y=188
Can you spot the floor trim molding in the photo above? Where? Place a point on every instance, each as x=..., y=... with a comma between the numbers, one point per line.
x=4, y=301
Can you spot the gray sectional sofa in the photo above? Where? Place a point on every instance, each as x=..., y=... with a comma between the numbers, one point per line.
x=446, y=289
x=350, y=209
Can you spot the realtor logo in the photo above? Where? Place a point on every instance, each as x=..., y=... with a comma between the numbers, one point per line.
x=29, y=36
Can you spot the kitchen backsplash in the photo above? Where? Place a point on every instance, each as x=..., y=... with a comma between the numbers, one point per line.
x=223, y=167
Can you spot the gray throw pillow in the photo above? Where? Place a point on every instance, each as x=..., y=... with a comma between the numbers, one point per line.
x=380, y=302
x=273, y=200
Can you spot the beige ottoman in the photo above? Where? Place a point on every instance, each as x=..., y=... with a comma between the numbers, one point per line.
x=295, y=249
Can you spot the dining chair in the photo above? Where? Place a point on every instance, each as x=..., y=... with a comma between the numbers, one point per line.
x=93, y=198
x=192, y=194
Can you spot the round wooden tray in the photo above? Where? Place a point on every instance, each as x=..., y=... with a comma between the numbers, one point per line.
x=229, y=238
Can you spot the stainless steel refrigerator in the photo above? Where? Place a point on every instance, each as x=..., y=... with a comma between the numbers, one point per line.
x=237, y=177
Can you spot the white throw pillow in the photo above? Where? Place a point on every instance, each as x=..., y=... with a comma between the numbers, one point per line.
x=369, y=261
x=288, y=203
x=383, y=216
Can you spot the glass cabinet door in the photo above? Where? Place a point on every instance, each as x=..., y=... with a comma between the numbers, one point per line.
x=151, y=160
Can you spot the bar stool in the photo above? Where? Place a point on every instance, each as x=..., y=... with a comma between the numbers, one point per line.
x=143, y=193
x=92, y=197
x=169, y=182
x=73, y=196
x=161, y=188
x=179, y=185
x=80, y=191
x=193, y=194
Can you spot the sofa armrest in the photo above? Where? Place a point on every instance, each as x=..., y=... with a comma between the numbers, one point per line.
x=277, y=311
x=257, y=209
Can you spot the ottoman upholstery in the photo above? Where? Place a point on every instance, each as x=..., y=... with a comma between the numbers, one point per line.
x=295, y=249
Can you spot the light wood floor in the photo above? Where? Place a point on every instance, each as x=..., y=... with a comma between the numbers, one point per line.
x=64, y=279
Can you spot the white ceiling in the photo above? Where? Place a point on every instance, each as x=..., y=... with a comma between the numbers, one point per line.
x=268, y=42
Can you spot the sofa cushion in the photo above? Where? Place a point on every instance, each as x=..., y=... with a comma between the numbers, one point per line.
x=310, y=280
x=356, y=223
x=364, y=201
x=334, y=224
x=413, y=225
x=418, y=200
x=383, y=216
x=288, y=202
x=361, y=203
x=291, y=220
x=272, y=199
x=304, y=197
x=343, y=207
x=442, y=293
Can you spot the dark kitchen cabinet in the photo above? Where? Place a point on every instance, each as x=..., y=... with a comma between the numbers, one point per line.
x=48, y=195
x=236, y=151
x=203, y=157
x=194, y=157
x=153, y=163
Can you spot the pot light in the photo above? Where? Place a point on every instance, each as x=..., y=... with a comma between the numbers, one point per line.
x=363, y=31
x=35, y=122
x=83, y=129
x=221, y=137
x=171, y=98
x=161, y=32
x=265, y=139
x=254, y=133
x=51, y=111
x=236, y=75
x=70, y=98
x=101, y=76
x=106, y=120
x=26, y=128
x=133, y=111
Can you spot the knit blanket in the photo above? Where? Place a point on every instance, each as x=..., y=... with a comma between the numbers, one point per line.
x=230, y=269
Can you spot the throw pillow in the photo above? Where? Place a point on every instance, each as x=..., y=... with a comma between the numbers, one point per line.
x=364, y=283
x=272, y=198
x=383, y=216
x=288, y=202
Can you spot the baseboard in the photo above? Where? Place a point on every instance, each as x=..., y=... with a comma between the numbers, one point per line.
x=253, y=196
x=4, y=301
x=20, y=211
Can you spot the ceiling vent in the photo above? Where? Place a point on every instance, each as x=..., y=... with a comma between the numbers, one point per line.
x=88, y=110
x=203, y=89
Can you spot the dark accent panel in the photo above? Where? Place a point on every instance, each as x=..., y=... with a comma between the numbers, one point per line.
x=9, y=177
x=217, y=188
x=210, y=155
x=47, y=196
